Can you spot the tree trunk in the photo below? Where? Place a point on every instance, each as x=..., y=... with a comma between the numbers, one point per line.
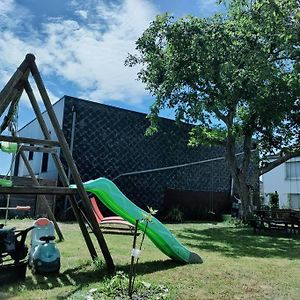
x=239, y=168
x=240, y=182
x=246, y=205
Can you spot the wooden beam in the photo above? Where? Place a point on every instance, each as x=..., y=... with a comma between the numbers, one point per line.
x=62, y=174
x=25, y=140
x=42, y=197
x=69, y=159
x=11, y=84
x=38, y=149
x=37, y=190
x=14, y=99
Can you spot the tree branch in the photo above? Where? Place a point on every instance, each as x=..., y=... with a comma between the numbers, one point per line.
x=270, y=166
x=285, y=58
x=220, y=115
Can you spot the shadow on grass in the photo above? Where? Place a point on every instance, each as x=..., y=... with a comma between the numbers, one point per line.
x=152, y=266
x=241, y=241
x=80, y=277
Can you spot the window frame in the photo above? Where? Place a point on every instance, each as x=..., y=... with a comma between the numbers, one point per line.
x=288, y=167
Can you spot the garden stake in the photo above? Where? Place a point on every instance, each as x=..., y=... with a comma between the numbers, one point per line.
x=137, y=260
x=130, y=286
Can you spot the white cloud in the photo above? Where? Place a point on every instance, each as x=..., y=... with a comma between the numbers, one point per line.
x=12, y=16
x=6, y=6
x=90, y=55
x=82, y=13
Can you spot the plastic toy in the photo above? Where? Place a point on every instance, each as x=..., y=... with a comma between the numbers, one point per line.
x=13, y=253
x=44, y=256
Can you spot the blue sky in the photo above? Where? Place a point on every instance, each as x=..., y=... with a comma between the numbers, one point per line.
x=80, y=47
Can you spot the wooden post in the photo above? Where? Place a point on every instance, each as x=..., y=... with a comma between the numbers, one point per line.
x=61, y=172
x=27, y=164
x=6, y=91
x=42, y=197
x=69, y=159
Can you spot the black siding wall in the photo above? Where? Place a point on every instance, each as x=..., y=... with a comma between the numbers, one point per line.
x=110, y=141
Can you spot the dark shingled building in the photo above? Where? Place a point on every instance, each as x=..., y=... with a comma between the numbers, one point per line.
x=107, y=141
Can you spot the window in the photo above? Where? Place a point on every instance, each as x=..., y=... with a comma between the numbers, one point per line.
x=294, y=200
x=45, y=162
x=292, y=170
x=30, y=155
x=17, y=164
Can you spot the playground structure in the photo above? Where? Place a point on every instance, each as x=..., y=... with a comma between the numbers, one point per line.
x=9, y=99
x=104, y=189
x=161, y=237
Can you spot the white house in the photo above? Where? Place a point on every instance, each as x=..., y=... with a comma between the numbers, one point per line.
x=42, y=164
x=285, y=179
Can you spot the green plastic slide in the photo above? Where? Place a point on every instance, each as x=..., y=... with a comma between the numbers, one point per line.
x=117, y=202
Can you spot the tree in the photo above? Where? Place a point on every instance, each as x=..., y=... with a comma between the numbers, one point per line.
x=235, y=76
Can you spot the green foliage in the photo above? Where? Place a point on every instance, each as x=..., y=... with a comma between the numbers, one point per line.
x=147, y=217
x=98, y=263
x=175, y=215
x=116, y=288
x=117, y=285
x=228, y=220
x=235, y=76
x=234, y=69
x=206, y=136
x=274, y=200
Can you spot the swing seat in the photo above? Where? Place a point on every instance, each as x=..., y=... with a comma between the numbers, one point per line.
x=6, y=182
x=113, y=224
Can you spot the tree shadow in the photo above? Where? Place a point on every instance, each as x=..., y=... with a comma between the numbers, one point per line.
x=81, y=276
x=241, y=241
x=77, y=277
x=152, y=266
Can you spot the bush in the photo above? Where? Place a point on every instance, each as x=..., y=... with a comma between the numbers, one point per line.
x=274, y=200
x=175, y=215
x=116, y=287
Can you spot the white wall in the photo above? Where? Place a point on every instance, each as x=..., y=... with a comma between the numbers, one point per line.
x=276, y=180
x=33, y=130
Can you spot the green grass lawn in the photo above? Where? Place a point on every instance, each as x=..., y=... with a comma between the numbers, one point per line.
x=237, y=265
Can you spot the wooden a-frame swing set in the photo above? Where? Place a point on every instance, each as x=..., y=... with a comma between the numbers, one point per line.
x=9, y=98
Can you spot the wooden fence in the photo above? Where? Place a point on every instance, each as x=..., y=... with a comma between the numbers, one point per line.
x=196, y=205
